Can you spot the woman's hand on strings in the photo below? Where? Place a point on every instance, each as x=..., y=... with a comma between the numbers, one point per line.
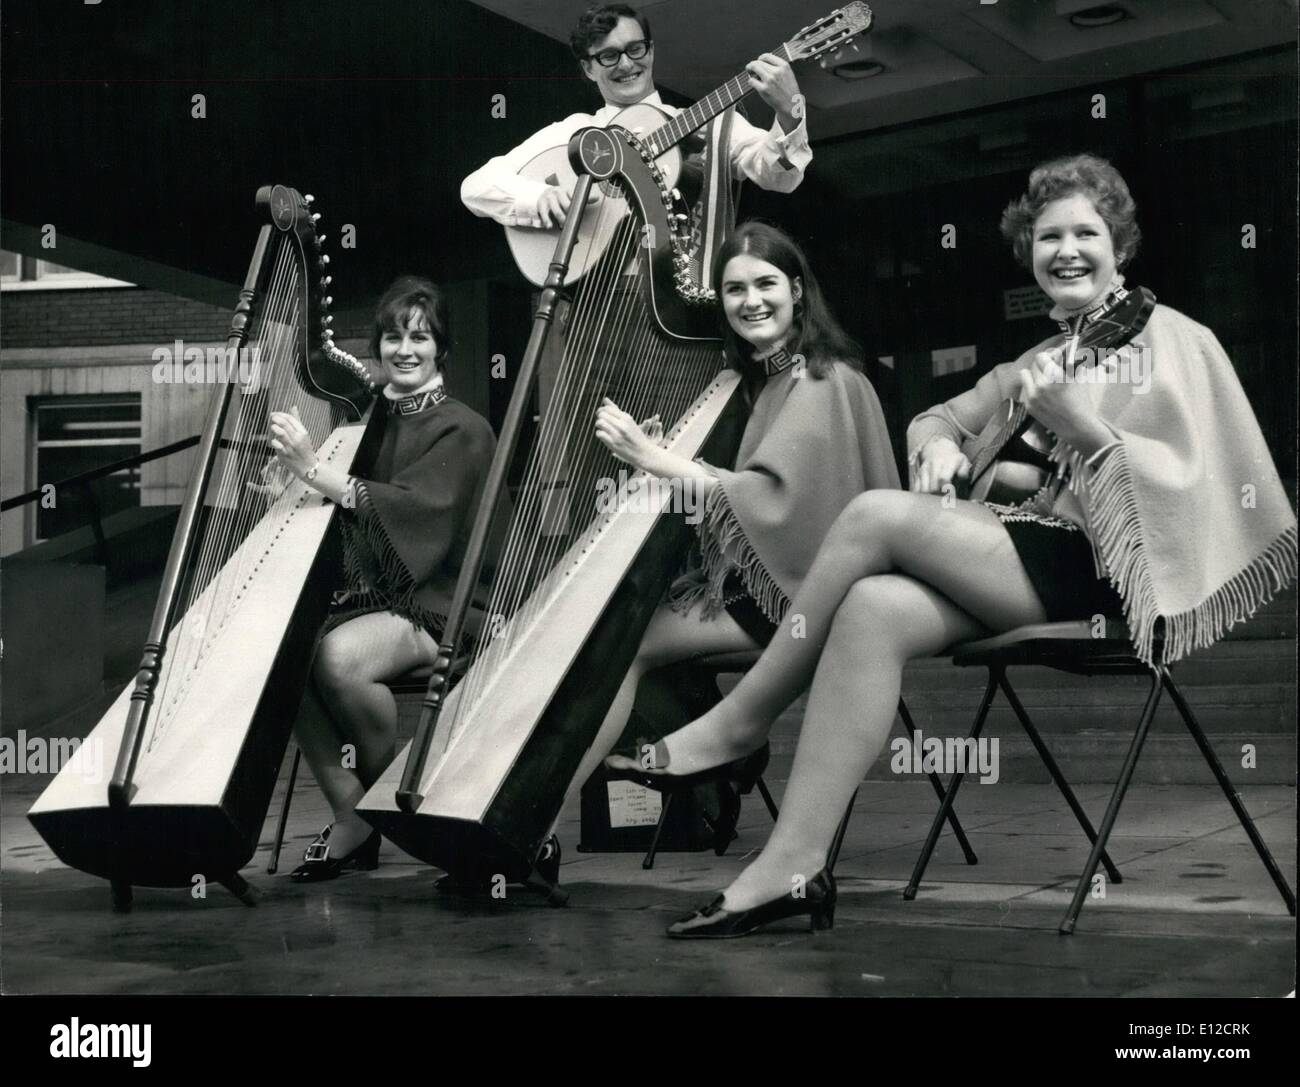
x=942, y=464
x=291, y=442
x=633, y=443
x=1065, y=406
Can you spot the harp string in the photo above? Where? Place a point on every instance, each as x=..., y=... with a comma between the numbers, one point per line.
x=613, y=348
x=241, y=516
x=543, y=516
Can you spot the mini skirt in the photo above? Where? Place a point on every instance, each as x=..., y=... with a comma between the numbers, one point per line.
x=1057, y=557
x=744, y=609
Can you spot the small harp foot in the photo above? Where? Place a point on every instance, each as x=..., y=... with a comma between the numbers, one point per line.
x=122, y=896
x=553, y=893
x=238, y=886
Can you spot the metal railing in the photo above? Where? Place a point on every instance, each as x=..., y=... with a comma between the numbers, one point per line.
x=83, y=480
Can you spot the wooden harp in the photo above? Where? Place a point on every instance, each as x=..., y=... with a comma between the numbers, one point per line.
x=175, y=780
x=577, y=578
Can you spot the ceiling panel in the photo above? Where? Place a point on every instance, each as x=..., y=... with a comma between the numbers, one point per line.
x=940, y=56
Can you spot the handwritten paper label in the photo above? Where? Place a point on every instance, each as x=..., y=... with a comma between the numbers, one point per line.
x=632, y=805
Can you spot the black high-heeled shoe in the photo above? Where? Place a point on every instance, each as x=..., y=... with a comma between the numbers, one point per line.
x=713, y=922
x=318, y=865
x=744, y=772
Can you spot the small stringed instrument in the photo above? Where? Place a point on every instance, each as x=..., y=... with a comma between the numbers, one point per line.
x=533, y=247
x=1009, y=457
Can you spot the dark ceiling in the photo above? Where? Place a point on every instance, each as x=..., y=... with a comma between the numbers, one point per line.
x=378, y=108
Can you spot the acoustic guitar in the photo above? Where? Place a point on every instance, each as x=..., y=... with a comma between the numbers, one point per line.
x=533, y=248
x=1009, y=457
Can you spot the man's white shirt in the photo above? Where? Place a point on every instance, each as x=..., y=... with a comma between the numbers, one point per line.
x=774, y=160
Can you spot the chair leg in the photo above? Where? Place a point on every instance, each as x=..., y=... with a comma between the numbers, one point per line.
x=1112, y=809
x=945, y=806
x=1055, y=770
x=1230, y=791
x=839, y=834
x=937, y=785
x=772, y=809
x=274, y=863
x=648, y=861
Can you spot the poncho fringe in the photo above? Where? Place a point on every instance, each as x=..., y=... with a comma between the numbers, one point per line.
x=1112, y=508
x=383, y=583
x=725, y=547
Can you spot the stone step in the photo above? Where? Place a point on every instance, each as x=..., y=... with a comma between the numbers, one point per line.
x=1256, y=708
x=1096, y=758
x=1271, y=661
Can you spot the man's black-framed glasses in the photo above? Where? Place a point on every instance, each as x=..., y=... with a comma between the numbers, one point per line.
x=608, y=58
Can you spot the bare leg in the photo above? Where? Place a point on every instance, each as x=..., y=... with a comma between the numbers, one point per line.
x=962, y=550
x=669, y=638
x=321, y=744
x=351, y=665
x=884, y=621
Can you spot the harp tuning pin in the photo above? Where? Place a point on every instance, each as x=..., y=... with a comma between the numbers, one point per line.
x=308, y=200
x=326, y=281
x=681, y=217
x=327, y=320
x=676, y=194
x=327, y=300
x=319, y=240
x=329, y=334
x=324, y=259
x=315, y=216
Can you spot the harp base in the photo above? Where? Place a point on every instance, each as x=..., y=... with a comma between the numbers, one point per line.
x=154, y=846
x=470, y=851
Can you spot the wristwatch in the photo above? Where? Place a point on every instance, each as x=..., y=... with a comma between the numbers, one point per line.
x=310, y=474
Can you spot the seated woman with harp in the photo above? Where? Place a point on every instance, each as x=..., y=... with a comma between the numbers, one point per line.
x=816, y=437
x=1149, y=488
x=404, y=532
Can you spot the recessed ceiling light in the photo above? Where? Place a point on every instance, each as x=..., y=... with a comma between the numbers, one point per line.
x=1101, y=15
x=858, y=69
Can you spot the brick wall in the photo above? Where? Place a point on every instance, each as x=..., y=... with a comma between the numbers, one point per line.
x=87, y=318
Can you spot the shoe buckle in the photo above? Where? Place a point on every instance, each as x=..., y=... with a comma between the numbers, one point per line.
x=316, y=852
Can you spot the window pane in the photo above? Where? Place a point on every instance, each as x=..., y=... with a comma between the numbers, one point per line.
x=8, y=264
x=77, y=434
x=47, y=268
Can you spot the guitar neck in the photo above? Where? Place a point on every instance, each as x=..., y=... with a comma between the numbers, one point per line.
x=707, y=108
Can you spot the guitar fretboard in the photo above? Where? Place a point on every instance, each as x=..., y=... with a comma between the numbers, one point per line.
x=700, y=114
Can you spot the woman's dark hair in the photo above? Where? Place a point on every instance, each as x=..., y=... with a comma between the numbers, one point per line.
x=814, y=332
x=1089, y=175
x=405, y=297
x=597, y=21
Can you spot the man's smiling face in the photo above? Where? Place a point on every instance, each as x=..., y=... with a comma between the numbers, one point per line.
x=628, y=81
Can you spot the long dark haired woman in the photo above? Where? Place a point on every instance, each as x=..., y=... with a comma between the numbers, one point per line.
x=815, y=438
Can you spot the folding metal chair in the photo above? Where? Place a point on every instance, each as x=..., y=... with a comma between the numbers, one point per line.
x=1072, y=647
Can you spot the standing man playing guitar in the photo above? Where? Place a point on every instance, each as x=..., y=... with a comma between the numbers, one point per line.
x=615, y=49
